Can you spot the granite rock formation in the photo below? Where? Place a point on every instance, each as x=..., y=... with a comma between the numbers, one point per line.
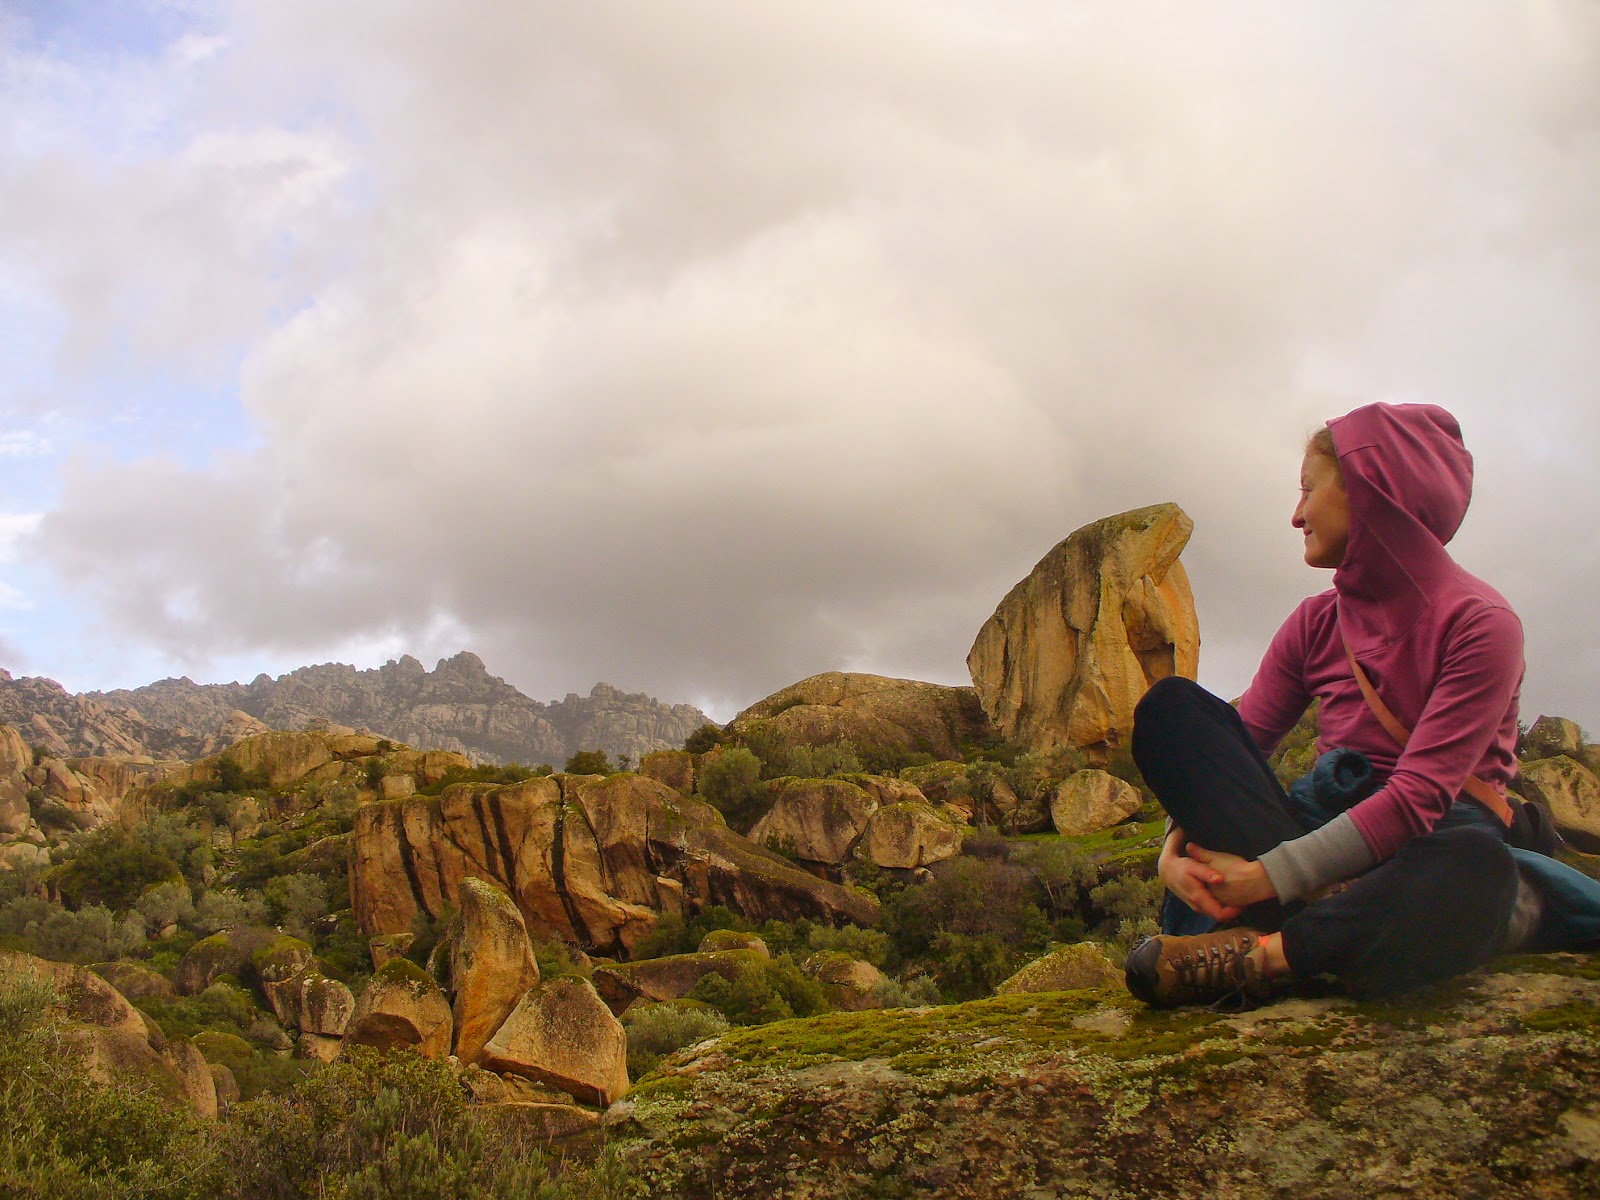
x=1072, y=648
x=1490, y=1087
x=886, y=719
x=589, y=860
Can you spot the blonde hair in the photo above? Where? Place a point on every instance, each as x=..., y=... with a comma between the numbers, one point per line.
x=1321, y=442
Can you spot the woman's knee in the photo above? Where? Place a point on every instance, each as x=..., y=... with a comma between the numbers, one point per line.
x=1476, y=854
x=1167, y=697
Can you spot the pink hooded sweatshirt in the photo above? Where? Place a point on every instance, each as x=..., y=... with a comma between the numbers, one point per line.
x=1443, y=649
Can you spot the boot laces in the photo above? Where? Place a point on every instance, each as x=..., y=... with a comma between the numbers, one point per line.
x=1220, y=968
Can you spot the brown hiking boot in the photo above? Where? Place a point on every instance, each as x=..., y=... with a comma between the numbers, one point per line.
x=1168, y=970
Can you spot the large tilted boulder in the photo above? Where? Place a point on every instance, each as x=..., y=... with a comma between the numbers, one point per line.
x=818, y=820
x=562, y=1034
x=1092, y=800
x=1072, y=648
x=279, y=966
x=884, y=718
x=402, y=1007
x=590, y=861
x=1571, y=793
x=911, y=834
x=491, y=965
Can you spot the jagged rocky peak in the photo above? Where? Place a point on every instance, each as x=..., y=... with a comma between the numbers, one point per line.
x=458, y=706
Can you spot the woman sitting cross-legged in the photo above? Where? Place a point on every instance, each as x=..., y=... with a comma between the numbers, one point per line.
x=1392, y=863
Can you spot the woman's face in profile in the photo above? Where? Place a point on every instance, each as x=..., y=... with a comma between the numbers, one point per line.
x=1323, y=514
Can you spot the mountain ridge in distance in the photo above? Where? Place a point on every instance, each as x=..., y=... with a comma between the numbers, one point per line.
x=458, y=706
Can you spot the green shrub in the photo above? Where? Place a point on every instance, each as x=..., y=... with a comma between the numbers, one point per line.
x=870, y=945
x=92, y=934
x=345, y=951
x=589, y=762
x=658, y=1030
x=69, y=1138
x=970, y=897
x=822, y=762
x=1129, y=908
x=1061, y=870
x=730, y=781
x=707, y=737
x=220, y=1008
x=557, y=960
x=295, y=902
x=674, y=935
x=226, y=908
x=111, y=867
x=165, y=904
x=394, y=1126
x=763, y=990
x=969, y=967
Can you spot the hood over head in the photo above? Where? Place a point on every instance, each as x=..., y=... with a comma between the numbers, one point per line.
x=1408, y=479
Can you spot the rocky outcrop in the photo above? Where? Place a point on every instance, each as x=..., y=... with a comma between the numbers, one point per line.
x=1065, y=969
x=1089, y=801
x=491, y=965
x=733, y=939
x=1550, y=736
x=674, y=768
x=225, y=953
x=669, y=978
x=886, y=719
x=588, y=860
x=818, y=820
x=63, y=725
x=1489, y=1087
x=458, y=706
x=562, y=1034
x=911, y=834
x=401, y=1007
x=1570, y=793
x=44, y=799
x=85, y=996
x=852, y=984
x=134, y=980
x=16, y=756
x=1072, y=648
x=112, y=1039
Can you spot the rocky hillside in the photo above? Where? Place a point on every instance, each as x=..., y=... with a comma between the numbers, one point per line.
x=458, y=706
x=1488, y=1087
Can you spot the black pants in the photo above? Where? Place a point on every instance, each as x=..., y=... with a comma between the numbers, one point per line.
x=1440, y=906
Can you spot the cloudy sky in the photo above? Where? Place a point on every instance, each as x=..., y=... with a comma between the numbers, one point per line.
x=701, y=346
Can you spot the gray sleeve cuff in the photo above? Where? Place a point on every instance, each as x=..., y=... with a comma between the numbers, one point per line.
x=1313, y=861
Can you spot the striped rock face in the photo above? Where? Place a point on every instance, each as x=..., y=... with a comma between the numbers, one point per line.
x=587, y=860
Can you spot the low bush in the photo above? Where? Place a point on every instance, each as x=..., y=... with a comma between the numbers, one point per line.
x=658, y=1030
x=730, y=781
x=69, y=1138
x=763, y=990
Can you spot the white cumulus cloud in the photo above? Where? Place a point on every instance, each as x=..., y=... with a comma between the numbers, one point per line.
x=699, y=347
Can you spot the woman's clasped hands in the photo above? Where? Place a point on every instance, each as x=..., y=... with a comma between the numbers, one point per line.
x=1211, y=882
